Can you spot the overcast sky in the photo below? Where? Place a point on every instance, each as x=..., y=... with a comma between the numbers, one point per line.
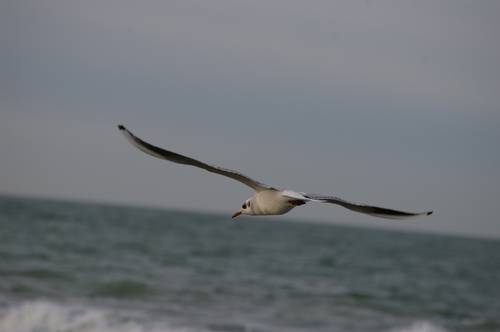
x=393, y=103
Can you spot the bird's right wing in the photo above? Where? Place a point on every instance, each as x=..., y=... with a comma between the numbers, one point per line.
x=180, y=159
x=366, y=209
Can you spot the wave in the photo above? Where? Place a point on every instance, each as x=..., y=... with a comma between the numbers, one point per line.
x=50, y=317
x=123, y=289
x=420, y=326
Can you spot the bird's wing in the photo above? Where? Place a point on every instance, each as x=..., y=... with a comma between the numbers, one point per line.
x=367, y=209
x=180, y=159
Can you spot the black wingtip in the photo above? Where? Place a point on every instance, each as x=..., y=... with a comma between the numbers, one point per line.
x=121, y=127
x=430, y=212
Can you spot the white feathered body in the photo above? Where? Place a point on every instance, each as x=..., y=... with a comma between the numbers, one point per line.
x=270, y=202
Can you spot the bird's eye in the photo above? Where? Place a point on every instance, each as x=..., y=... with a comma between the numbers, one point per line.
x=244, y=206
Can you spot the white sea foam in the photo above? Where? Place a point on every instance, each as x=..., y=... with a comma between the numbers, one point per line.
x=42, y=316
x=420, y=326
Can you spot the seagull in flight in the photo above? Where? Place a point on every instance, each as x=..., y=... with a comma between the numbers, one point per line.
x=267, y=200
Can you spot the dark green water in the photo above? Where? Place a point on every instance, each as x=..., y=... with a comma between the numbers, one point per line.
x=84, y=267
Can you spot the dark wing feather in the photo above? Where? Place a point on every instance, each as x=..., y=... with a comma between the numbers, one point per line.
x=180, y=159
x=367, y=209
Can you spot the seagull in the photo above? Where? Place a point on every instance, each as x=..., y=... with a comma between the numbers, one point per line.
x=267, y=200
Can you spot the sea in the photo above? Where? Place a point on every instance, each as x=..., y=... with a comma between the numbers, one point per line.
x=85, y=267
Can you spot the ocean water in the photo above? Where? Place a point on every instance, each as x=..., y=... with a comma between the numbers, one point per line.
x=75, y=267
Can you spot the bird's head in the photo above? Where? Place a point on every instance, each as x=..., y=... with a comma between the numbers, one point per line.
x=246, y=208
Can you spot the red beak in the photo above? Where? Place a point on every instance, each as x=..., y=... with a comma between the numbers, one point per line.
x=236, y=214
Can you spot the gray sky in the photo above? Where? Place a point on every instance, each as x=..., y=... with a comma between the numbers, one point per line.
x=394, y=103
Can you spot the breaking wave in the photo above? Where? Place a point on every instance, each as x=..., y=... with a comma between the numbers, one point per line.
x=43, y=316
x=420, y=326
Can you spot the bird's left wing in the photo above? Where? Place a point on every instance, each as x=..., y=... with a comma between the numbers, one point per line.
x=180, y=159
x=366, y=209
